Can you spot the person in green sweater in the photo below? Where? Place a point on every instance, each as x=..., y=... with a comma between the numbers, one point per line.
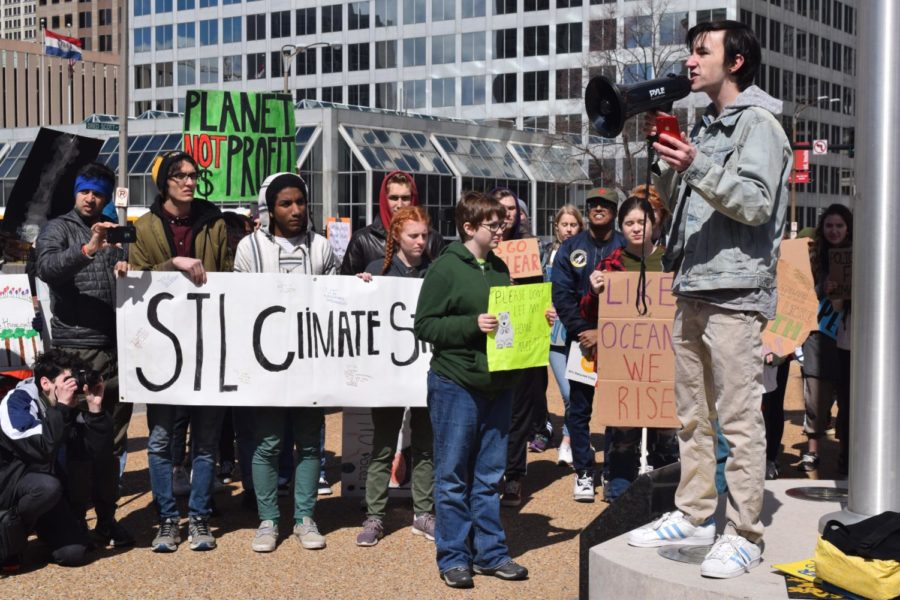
x=470, y=407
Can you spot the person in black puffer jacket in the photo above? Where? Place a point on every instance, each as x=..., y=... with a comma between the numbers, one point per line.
x=367, y=245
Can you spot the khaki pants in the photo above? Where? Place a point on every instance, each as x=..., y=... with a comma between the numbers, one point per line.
x=718, y=374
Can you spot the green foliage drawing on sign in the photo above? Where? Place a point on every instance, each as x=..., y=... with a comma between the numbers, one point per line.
x=523, y=338
x=238, y=139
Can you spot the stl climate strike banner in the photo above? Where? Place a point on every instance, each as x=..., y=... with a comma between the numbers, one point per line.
x=270, y=340
x=238, y=139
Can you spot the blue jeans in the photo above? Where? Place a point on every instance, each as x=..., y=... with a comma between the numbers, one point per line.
x=578, y=420
x=206, y=426
x=558, y=360
x=470, y=441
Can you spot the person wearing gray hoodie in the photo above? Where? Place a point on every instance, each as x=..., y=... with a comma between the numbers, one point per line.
x=728, y=184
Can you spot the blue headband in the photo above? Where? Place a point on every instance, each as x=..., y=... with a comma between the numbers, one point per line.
x=104, y=187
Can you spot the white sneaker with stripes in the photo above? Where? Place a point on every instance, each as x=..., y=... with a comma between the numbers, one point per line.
x=730, y=556
x=673, y=529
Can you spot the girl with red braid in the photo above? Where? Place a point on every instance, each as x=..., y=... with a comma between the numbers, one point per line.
x=405, y=256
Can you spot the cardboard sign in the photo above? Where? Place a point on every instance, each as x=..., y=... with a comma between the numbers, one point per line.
x=840, y=271
x=580, y=367
x=270, y=339
x=522, y=257
x=523, y=338
x=356, y=455
x=19, y=342
x=238, y=139
x=797, y=308
x=338, y=234
x=637, y=364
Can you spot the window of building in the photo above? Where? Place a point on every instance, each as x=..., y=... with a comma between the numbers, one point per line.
x=386, y=54
x=209, y=32
x=836, y=53
x=163, y=37
x=472, y=90
x=443, y=49
x=504, y=7
x=256, y=29
x=385, y=14
x=826, y=53
x=443, y=92
x=305, y=62
x=787, y=86
x=105, y=16
x=788, y=47
x=305, y=21
x=414, y=52
x=568, y=84
x=333, y=93
x=331, y=18
x=568, y=124
x=358, y=57
x=760, y=28
x=413, y=11
x=535, y=86
x=142, y=39
x=187, y=37
x=141, y=7
x=673, y=28
x=534, y=5
x=473, y=8
x=358, y=15
x=716, y=14
x=443, y=10
x=305, y=94
x=105, y=43
x=638, y=32
x=208, y=4
x=163, y=6
x=386, y=95
x=256, y=65
x=332, y=59
x=801, y=45
x=503, y=88
x=185, y=4
x=636, y=72
x=164, y=74
x=232, y=68
x=536, y=40
x=473, y=47
x=84, y=20
x=276, y=64
x=414, y=94
x=813, y=48
x=602, y=35
x=187, y=72
x=774, y=35
x=358, y=95
x=280, y=24
x=568, y=38
x=209, y=70
x=142, y=77
x=505, y=43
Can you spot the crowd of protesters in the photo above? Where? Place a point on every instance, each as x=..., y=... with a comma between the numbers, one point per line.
x=468, y=447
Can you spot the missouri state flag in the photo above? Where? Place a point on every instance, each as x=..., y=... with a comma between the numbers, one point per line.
x=61, y=46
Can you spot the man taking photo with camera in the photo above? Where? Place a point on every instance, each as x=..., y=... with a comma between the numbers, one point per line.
x=49, y=424
x=728, y=183
x=79, y=264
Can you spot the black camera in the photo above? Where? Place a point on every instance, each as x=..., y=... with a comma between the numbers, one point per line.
x=86, y=377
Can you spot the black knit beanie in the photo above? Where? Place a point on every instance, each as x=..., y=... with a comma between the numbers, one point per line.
x=163, y=163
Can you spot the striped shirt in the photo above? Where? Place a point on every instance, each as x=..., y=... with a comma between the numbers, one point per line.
x=293, y=255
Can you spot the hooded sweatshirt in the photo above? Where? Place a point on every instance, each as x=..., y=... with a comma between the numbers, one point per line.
x=367, y=244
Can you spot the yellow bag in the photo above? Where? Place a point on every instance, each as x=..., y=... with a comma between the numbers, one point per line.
x=875, y=579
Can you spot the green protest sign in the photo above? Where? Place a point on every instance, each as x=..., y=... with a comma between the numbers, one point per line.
x=238, y=139
x=523, y=338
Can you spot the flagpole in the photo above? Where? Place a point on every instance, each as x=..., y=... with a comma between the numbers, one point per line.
x=41, y=77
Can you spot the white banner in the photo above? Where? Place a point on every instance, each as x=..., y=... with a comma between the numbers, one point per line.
x=265, y=339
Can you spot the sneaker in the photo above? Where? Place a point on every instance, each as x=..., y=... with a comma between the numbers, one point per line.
x=584, y=487
x=324, y=487
x=512, y=493
x=673, y=529
x=111, y=533
x=373, y=530
x=732, y=555
x=308, y=535
x=266, y=537
x=808, y=462
x=168, y=537
x=199, y=534
x=539, y=443
x=424, y=525
x=510, y=571
x=564, y=455
x=181, y=483
x=458, y=577
x=772, y=471
x=226, y=471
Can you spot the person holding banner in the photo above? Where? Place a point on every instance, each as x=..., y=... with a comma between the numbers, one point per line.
x=181, y=233
x=405, y=256
x=470, y=406
x=79, y=266
x=567, y=223
x=574, y=263
x=728, y=183
x=367, y=244
x=288, y=246
x=826, y=356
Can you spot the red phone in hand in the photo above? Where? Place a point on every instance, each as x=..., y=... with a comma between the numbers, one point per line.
x=668, y=124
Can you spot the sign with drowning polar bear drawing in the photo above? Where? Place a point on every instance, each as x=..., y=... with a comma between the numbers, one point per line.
x=522, y=338
x=270, y=339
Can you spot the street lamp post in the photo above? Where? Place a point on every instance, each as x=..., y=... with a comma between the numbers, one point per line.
x=800, y=108
x=289, y=51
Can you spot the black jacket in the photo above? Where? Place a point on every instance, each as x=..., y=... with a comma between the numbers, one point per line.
x=82, y=289
x=367, y=245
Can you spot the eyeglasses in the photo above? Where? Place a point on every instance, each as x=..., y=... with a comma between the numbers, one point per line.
x=180, y=177
x=494, y=227
x=406, y=198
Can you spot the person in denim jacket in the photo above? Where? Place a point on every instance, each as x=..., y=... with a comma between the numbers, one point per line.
x=728, y=185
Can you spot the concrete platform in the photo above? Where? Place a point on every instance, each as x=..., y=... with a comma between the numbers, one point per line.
x=618, y=571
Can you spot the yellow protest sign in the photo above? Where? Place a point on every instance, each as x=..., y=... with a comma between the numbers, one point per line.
x=523, y=338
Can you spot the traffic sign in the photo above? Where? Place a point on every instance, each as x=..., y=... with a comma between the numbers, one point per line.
x=801, y=160
x=820, y=147
x=800, y=177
